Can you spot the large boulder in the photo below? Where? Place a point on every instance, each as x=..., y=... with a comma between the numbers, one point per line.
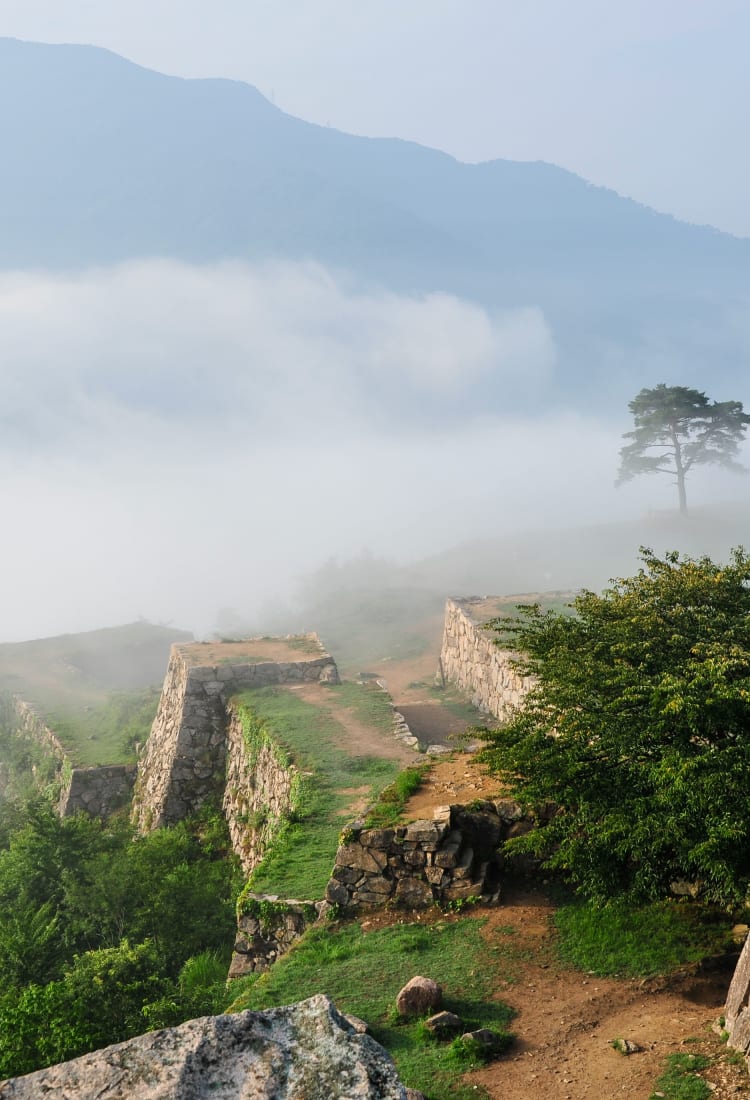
x=305, y=1051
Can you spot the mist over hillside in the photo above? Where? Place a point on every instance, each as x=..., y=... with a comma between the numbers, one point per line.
x=237, y=345
x=107, y=162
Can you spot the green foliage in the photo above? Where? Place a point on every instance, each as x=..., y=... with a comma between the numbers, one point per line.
x=620, y=940
x=637, y=730
x=390, y=804
x=95, y=925
x=363, y=973
x=680, y=1080
x=677, y=428
x=98, y=1001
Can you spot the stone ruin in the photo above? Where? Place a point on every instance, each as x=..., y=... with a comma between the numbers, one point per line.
x=449, y=859
x=185, y=760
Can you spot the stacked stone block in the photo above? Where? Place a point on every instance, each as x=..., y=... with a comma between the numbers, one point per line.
x=268, y=929
x=97, y=792
x=470, y=659
x=184, y=762
x=450, y=858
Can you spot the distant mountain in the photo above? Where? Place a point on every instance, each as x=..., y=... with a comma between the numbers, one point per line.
x=105, y=161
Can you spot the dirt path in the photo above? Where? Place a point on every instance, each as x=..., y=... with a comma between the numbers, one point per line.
x=361, y=739
x=566, y=1018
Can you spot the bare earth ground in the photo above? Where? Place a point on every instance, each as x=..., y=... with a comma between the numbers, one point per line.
x=565, y=1018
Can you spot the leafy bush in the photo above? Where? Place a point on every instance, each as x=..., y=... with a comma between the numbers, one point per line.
x=637, y=730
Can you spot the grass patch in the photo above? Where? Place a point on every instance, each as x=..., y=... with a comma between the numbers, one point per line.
x=629, y=942
x=299, y=864
x=370, y=704
x=107, y=732
x=363, y=972
x=390, y=805
x=680, y=1080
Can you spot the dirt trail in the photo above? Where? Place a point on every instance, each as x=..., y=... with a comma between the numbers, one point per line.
x=361, y=739
x=566, y=1018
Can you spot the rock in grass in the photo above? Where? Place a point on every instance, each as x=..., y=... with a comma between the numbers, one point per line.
x=444, y=1024
x=418, y=997
x=306, y=1050
x=486, y=1042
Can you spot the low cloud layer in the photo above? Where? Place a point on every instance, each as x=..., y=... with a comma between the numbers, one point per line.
x=177, y=439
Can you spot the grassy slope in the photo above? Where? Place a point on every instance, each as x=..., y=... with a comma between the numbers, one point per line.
x=363, y=973
x=303, y=856
x=92, y=688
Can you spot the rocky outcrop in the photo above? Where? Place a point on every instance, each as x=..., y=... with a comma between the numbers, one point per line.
x=306, y=1051
x=184, y=762
x=737, y=1008
x=470, y=659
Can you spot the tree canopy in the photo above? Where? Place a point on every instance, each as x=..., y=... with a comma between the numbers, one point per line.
x=676, y=428
x=638, y=729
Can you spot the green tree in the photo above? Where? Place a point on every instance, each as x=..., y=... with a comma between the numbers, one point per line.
x=638, y=731
x=676, y=428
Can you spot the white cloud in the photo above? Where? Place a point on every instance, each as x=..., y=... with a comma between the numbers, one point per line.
x=176, y=439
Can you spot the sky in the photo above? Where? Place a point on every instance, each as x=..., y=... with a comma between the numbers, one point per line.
x=178, y=439
x=645, y=96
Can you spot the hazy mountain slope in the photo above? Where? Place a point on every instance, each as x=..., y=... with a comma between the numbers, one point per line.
x=105, y=161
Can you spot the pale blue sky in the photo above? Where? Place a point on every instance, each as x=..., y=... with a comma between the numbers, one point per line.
x=646, y=96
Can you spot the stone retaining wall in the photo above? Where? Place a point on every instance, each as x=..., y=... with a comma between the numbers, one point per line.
x=258, y=794
x=266, y=929
x=184, y=761
x=470, y=659
x=450, y=858
x=97, y=792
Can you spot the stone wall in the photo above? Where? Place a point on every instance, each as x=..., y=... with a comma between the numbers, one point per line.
x=97, y=792
x=266, y=928
x=184, y=761
x=470, y=659
x=31, y=725
x=259, y=791
x=451, y=858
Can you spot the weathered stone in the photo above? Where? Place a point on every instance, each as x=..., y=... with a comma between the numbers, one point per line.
x=365, y=859
x=379, y=885
x=464, y=866
x=304, y=1050
x=460, y=891
x=490, y=1041
x=434, y=875
x=413, y=893
x=738, y=996
x=418, y=997
x=427, y=834
x=377, y=838
x=444, y=1024
x=337, y=893
x=448, y=854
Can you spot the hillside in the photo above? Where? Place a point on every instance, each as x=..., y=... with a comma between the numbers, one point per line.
x=98, y=689
x=105, y=161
